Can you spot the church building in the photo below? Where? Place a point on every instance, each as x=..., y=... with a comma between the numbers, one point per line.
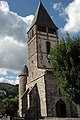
x=39, y=94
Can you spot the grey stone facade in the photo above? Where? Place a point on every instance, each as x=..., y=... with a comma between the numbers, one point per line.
x=39, y=95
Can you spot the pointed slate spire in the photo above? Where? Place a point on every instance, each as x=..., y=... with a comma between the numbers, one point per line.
x=42, y=17
x=24, y=72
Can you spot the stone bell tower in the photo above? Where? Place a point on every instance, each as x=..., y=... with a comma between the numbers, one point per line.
x=43, y=96
x=41, y=36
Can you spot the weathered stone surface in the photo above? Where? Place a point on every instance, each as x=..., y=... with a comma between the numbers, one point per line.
x=43, y=98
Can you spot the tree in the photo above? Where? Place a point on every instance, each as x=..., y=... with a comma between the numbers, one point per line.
x=9, y=101
x=10, y=106
x=65, y=62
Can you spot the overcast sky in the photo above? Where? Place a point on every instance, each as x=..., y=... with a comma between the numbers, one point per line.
x=15, y=19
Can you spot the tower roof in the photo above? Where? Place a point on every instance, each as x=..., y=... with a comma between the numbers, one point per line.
x=24, y=72
x=42, y=17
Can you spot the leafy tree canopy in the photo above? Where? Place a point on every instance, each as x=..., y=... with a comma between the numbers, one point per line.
x=9, y=101
x=65, y=62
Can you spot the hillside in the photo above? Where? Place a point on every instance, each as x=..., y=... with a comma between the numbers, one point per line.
x=11, y=90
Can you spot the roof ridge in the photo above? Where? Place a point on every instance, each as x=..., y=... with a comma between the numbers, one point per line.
x=41, y=15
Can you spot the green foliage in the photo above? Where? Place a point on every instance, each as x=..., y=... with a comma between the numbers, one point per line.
x=9, y=102
x=65, y=62
x=9, y=106
x=11, y=90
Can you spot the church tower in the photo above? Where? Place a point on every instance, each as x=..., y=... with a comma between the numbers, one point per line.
x=44, y=98
x=41, y=36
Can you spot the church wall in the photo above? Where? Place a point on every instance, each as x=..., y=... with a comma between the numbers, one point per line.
x=42, y=38
x=24, y=104
x=20, y=107
x=41, y=88
x=34, y=72
x=31, y=33
x=73, y=108
x=41, y=91
x=51, y=92
x=53, y=96
x=22, y=88
x=33, y=103
x=43, y=61
x=32, y=47
x=32, y=65
x=78, y=110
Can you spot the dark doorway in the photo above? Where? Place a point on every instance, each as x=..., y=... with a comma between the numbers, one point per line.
x=60, y=109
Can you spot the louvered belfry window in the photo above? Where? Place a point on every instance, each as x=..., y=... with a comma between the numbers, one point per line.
x=51, y=31
x=41, y=28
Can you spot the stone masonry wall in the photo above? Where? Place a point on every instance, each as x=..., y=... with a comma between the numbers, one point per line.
x=53, y=95
x=42, y=38
x=41, y=90
x=22, y=88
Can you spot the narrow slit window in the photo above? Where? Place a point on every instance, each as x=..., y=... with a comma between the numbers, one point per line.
x=28, y=101
x=48, y=47
x=32, y=32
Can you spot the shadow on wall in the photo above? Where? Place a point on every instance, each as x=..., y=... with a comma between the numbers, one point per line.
x=34, y=99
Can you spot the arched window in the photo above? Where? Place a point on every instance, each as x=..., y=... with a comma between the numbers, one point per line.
x=48, y=47
x=60, y=109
